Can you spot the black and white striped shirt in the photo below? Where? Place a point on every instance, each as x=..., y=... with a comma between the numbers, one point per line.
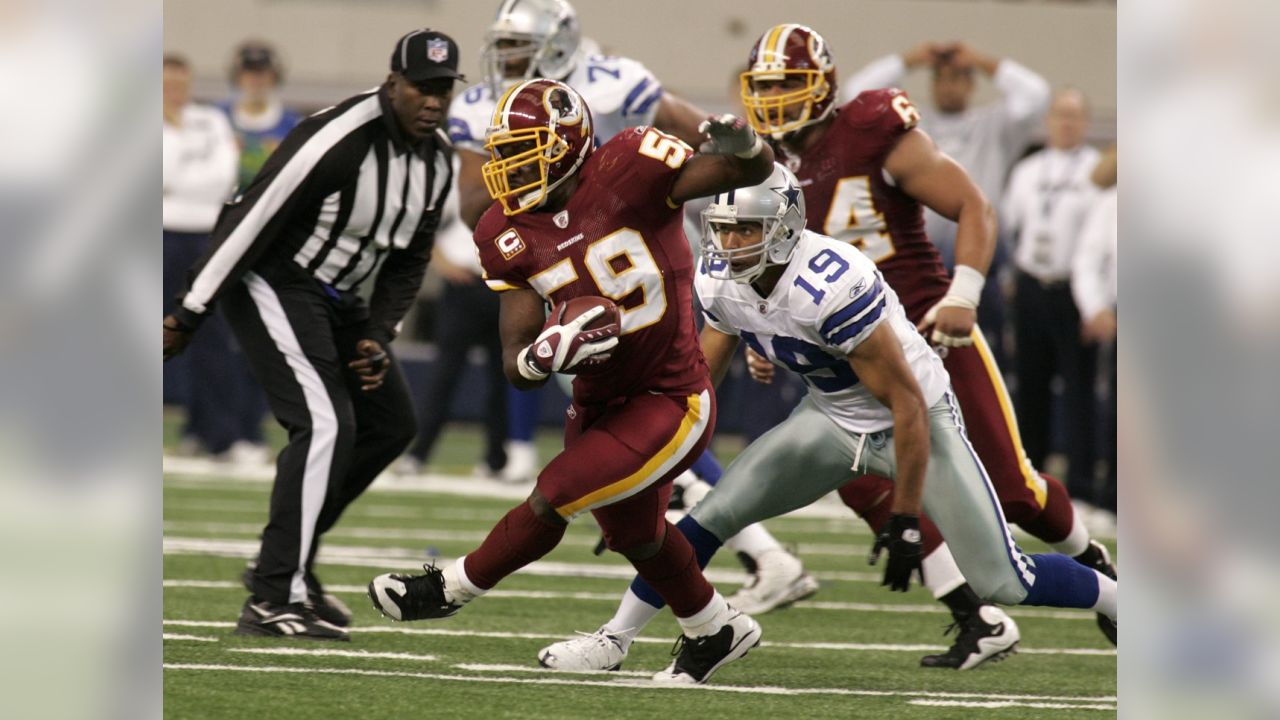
x=344, y=194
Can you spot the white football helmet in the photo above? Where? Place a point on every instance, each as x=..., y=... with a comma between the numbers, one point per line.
x=542, y=33
x=777, y=204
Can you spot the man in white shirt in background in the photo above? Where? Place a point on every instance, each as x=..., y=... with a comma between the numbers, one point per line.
x=984, y=139
x=1094, y=281
x=199, y=171
x=1049, y=197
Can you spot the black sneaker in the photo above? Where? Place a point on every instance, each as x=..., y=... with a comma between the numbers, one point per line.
x=416, y=597
x=697, y=658
x=988, y=635
x=292, y=620
x=1099, y=559
x=326, y=606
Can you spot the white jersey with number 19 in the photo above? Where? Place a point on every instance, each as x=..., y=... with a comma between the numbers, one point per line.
x=828, y=300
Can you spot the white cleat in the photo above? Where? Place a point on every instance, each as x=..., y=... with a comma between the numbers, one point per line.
x=779, y=580
x=597, y=651
x=698, y=658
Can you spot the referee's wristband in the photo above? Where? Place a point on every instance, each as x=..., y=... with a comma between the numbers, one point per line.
x=966, y=287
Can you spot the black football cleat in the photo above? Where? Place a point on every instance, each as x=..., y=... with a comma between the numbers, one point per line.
x=698, y=658
x=326, y=606
x=412, y=597
x=988, y=635
x=1099, y=559
x=293, y=620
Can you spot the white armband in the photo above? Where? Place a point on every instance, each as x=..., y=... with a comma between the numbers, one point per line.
x=966, y=288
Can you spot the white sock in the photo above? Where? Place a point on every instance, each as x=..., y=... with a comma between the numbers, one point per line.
x=458, y=588
x=632, y=615
x=941, y=574
x=753, y=540
x=1077, y=541
x=1108, y=601
x=708, y=620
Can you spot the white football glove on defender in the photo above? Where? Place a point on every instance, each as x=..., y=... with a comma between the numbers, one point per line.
x=965, y=292
x=563, y=347
x=729, y=135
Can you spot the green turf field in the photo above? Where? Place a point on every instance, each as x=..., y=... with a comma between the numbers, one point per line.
x=850, y=652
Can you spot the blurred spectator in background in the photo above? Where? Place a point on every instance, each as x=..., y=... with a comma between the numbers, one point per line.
x=258, y=117
x=1049, y=197
x=1094, y=279
x=199, y=171
x=260, y=121
x=984, y=139
x=466, y=317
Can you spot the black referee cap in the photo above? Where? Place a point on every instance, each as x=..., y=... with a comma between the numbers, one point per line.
x=425, y=55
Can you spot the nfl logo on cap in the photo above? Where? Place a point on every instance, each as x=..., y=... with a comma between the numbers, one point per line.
x=437, y=50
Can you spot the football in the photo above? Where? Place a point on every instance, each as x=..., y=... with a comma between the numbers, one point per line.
x=566, y=311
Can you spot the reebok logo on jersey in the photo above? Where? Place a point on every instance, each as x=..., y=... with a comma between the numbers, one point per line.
x=857, y=289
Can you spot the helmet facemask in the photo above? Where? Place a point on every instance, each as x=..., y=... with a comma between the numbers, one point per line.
x=541, y=146
x=768, y=113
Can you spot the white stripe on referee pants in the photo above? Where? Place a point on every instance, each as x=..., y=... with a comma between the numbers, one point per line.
x=324, y=421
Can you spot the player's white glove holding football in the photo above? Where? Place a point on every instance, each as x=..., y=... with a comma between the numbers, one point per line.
x=729, y=135
x=560, y=348
x=956, y=329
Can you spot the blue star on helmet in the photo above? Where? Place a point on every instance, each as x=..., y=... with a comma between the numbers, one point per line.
x=790, y=196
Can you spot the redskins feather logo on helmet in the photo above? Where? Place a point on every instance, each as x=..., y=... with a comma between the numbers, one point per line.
x=790, y=81
x=540, y=134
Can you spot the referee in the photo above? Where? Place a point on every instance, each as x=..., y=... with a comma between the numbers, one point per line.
x=354, y=191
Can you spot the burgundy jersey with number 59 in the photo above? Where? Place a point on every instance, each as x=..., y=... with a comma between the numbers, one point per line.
x=850, y=197
x=620, y=236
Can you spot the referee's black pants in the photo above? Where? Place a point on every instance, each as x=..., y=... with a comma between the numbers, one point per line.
x=1048, y=344
x=299, y=340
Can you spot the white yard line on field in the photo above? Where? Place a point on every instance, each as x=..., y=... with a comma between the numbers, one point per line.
x=580, y=682
x=203, y=473
x=309, y=652
x=998, y=704
x=936, y=609
x=191, y=638
x=839, y=646
x=479, y=667
x=401, y=559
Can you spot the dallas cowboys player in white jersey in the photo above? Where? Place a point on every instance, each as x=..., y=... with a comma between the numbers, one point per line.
x=541, y=38
x=879, y=400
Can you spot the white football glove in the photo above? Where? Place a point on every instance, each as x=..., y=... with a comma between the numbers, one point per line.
x=965, y=292
x=563, y=347
x=729, y=135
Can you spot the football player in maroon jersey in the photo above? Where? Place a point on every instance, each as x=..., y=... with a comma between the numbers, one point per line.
x=867, y=172
x=573, y=221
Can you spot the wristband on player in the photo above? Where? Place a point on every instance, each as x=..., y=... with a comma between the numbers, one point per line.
x=754, y=150
x=966, y=288
x=528, y=369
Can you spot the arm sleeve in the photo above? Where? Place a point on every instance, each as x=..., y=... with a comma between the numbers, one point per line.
x=644, y=91
x=304, y=167
x=884, y=72
x=848, y=319
x=1025, y=100
x=1094, y=261
x=709, y=311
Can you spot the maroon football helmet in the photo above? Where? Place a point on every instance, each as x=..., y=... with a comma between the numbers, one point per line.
x=541, y=133
x=790, y=81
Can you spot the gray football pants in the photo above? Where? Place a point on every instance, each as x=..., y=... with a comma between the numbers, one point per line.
x=808, y=456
